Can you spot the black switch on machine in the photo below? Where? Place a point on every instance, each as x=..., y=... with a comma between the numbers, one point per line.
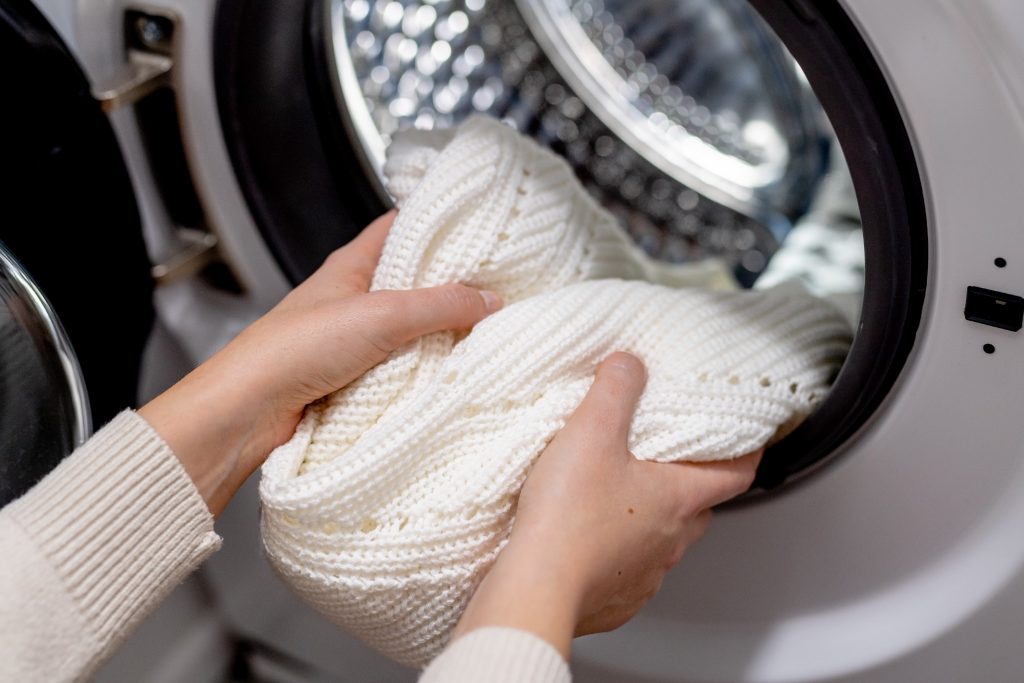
x=995, y=309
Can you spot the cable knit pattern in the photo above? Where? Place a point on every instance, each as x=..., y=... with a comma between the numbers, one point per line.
x=396, y=493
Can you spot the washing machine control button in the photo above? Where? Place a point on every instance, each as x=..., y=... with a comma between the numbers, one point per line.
x=996, y=309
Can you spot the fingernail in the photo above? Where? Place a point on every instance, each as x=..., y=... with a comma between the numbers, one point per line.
x=640, y=362
x=492, y=302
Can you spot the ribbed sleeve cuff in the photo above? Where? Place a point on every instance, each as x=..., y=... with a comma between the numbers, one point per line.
x=498, y=655
x=122, y=524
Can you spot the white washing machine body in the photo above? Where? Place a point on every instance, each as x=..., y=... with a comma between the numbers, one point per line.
x=901, y=560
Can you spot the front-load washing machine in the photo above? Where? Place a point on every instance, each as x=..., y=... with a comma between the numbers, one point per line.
x=217, y=151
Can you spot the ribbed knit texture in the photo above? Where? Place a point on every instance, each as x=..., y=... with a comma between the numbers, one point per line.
x=498, y=655
x=396, y=493
x=121, y=524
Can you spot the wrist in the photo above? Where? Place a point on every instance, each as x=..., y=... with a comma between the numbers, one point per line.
x=216, y=436
x=525, y=591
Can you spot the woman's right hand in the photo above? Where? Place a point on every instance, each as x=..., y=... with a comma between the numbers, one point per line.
x=596, y=529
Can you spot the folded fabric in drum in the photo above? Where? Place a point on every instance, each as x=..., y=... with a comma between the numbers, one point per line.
x=396, y=493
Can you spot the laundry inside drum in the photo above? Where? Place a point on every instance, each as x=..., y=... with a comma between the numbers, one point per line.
x=688, y=119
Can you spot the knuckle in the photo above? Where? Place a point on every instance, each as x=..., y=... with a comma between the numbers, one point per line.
x=384, y=315
x=676, y=556
x=385, y=305
x=459, y=297
x=652, y=589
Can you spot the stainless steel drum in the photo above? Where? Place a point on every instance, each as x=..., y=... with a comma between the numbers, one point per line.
x=697, y=129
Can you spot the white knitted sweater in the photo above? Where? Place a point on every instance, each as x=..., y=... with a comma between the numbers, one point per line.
x=396, y=493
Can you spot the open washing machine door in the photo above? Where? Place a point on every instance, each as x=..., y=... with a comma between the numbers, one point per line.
x=884, y=546
x=75, y=287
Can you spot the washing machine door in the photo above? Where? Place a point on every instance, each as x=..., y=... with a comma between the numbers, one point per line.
x=75, y=288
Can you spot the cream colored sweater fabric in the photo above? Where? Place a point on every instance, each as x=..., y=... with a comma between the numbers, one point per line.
x=397, y=493
x=90, y=550
x=498, y=655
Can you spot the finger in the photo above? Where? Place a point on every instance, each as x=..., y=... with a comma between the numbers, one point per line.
x=359, y=257
x=711, y=483
x=611, y=401
x=414, y=313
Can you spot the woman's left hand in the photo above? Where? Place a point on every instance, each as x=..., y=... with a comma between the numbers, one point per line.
x=225, y=417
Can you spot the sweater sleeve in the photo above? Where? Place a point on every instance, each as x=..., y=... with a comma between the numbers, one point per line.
x=92, y=548
x=498, y=655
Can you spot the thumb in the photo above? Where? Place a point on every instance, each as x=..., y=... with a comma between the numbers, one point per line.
x=611, y=401
x=417, y=312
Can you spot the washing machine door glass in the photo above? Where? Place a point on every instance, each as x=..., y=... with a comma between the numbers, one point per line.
x=45, y=406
